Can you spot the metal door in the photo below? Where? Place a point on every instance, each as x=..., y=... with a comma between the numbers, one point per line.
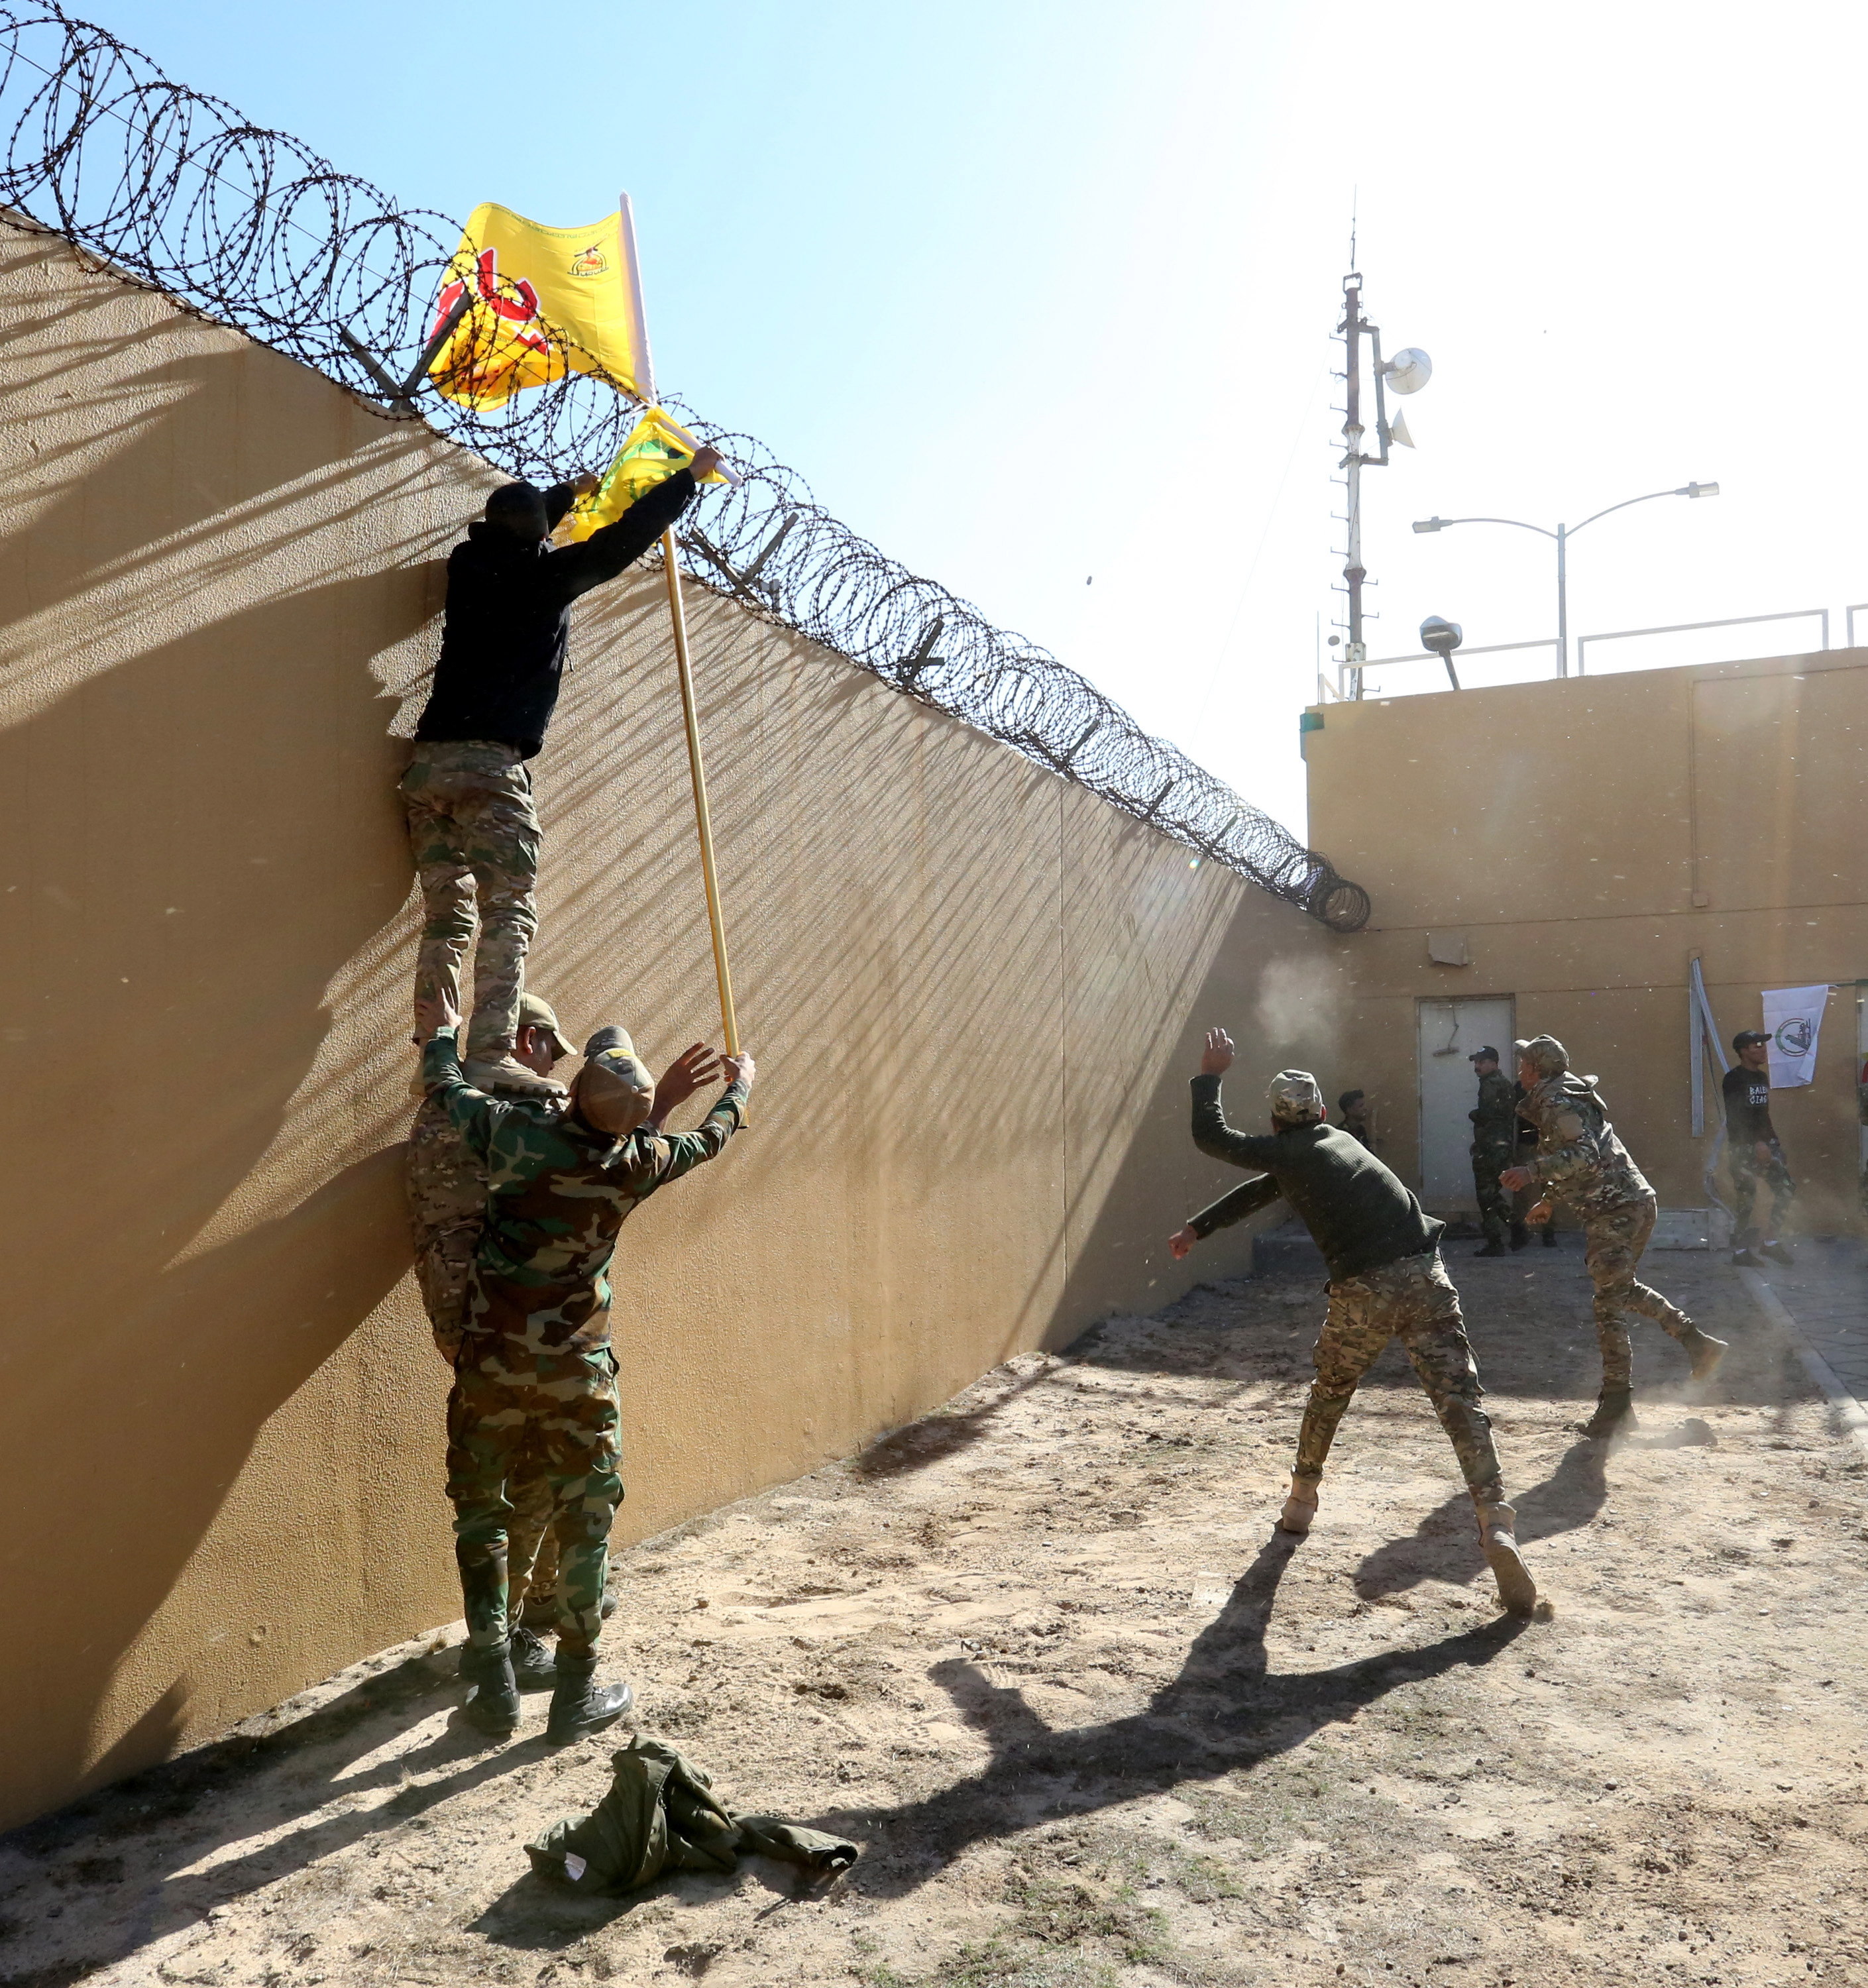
x=1449, y=1033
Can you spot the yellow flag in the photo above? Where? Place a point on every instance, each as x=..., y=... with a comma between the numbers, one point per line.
x=527, y=281
x=657, y=448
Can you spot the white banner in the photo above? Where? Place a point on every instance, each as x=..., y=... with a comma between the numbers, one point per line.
x=1793, y=1020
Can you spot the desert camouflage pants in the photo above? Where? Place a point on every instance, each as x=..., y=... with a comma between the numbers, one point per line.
x=1746, y=1173
x=446, y=1203
x=1495, y=1211
x=1612, y=1243
x=474, y=834
x=1413, y=1301
x=551, y=1421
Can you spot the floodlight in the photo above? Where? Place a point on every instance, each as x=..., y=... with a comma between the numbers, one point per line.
x=1441, y=636
x=1409, y=370
x=1429, y=524
x=1698, y=490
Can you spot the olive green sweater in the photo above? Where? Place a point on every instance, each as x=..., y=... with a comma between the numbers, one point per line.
x=1358, y=1214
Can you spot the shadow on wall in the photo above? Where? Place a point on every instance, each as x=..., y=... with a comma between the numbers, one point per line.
x=201, y=838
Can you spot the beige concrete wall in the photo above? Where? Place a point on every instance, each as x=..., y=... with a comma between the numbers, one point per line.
x=975, y=992
x=1589, y=836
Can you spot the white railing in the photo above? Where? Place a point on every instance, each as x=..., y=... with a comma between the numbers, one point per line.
x=1343, y=689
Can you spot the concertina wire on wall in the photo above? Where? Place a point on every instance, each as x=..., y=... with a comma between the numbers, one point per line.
x=250, y=228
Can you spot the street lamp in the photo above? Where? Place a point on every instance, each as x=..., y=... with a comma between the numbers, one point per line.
x=1563, y=534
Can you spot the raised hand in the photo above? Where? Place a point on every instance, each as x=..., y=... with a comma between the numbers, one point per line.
x=697, y=1065
x=1216, y=1058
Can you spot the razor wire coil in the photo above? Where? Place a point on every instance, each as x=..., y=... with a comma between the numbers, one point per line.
x=175, y=189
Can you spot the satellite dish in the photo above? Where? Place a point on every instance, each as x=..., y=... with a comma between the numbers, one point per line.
x=1409, y=370
x=1397, y=432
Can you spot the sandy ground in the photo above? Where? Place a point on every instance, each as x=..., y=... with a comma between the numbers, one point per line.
x=1095, y=1723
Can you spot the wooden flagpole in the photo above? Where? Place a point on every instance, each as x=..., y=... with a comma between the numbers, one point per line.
x=671, y=569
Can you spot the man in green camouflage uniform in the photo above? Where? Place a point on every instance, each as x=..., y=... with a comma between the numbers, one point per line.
x=447, y=1195
x=535, y=1380
x=1494, y=1140
x=1385, y=1281
x=1578, y=1156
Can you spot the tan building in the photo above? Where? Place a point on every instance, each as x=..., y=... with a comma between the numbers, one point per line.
x=974, y=990
x=1552, y=857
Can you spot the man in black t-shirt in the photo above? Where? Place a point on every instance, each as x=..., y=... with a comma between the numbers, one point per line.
x=1753, y=1152
x=1383, y=1250
x=472, y=823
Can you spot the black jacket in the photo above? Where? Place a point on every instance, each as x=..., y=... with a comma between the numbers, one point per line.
x=507, y=617
x=1357, y=1212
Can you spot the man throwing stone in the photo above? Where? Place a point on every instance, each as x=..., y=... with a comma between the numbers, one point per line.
x=1385, y=1281
x=535, y=1381
x=1579, y=1158
x=472, y=823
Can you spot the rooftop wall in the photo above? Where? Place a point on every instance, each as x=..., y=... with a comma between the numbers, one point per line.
x=1586, y=837
x=975, y=992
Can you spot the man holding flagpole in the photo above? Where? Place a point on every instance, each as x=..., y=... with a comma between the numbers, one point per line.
x=472, y=826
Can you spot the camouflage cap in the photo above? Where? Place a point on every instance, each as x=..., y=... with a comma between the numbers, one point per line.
x=534, y=1011
x=1545, y=1053
x=1294, y=1096
x=614, y=1090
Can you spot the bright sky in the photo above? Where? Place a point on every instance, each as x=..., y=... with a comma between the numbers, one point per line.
x=1040, y=292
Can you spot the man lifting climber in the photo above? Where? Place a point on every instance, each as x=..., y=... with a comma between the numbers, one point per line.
x=472, y=826
x=535, y=1380
x=1385, y=1281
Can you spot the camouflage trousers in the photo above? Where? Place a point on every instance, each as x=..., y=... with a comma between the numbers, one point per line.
x=1413, y=1301
x=1746, y=1173
x=555, y=1421
x=474, y=834
x=1612, y=1243
x=1496, y=1215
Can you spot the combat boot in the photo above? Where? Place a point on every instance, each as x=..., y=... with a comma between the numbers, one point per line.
x=1493, y=1248
x=1614, y=1412
x=492, y=1705
x=1498, y=1525
x=1549, y=1235
x=580, y=1705
x=1520, y=1236
x=534, y=1668
x=1299, y=1508
x=1705, y=1351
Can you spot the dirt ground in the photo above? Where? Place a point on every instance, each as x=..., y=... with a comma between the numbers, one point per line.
x=1094, y=1721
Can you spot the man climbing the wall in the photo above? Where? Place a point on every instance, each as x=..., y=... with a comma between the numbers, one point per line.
x=1753, y=1154
x=535, y=1380
x=1579, y=1158
x=1385, y=1281
x=1494, y=1141
x=446, y=1186
x=468, y=792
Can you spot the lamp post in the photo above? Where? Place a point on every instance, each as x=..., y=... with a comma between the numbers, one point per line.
x=1563, y=534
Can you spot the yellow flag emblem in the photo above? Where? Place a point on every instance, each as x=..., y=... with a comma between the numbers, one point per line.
x=541, y=301
x=657, y=448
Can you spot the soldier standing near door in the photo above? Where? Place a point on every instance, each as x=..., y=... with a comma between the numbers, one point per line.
x=1494, y=1142
x=1754, y=1154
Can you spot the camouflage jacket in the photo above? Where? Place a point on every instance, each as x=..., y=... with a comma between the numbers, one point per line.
x=1579, y=1158
x=557, y=1194
x=1495, y=1122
